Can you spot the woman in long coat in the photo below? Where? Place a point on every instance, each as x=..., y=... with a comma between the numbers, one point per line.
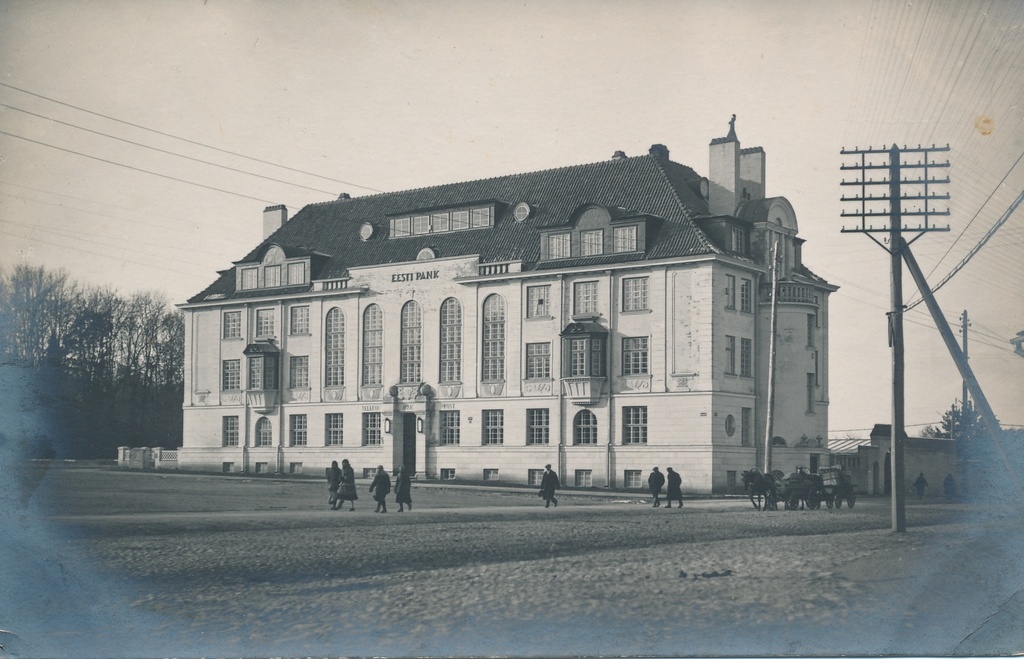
x=347, y=486
x=674, y=492
x=333, y=483
x=381, y=487
x=403, y=489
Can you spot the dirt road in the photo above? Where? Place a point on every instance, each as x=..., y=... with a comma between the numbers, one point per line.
x=132, y=564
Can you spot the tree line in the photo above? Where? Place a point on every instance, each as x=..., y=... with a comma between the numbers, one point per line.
x=94, y=368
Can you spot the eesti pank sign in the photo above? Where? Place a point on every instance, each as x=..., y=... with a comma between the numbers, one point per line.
x=419, y=275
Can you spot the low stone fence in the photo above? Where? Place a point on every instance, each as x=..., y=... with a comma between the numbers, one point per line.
x=147, y=458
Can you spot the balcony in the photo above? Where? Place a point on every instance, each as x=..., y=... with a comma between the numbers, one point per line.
x=583, y=391
x=791, y=293
x=263, y=401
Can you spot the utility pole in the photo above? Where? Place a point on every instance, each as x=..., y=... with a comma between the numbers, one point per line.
x=890, y=205
x=964, y=324
x=961, y=440
x=773, y=322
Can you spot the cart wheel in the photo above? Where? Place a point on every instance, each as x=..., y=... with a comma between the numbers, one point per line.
x=852, y=499
x=793, y=503
x=814, y=499
x=839, y=503
x=829, y=501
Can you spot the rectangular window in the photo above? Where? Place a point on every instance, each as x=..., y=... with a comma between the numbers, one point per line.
x=450, y=428
x=746, y=429
x=369, y=472
x=262, y=467
x=264, y=323
x=632, y=479
x=231, y=380
x=537, y=301
x=746, y=358
x=439, y=222
x=296, y=273
x=490, y=474
x=810, y=393
x=420, y=224
x=229, y=431
x=294, y=467
x=481, y=217
x=493, y=427
x=578, y=357
x=558, y=246
x=624, y=239
x=634, y=425
x=298, y=373
x=248, y=279
x=271, y=276
x=811, y=322
x=232, y=325
x=584, y=297
x=534, y=476
x=746, y=296
x=634, y=355
x=738, y=243
x=298, y=321
x=371, y=429
x=584, y=478
x=634, y=294
x=334, y=422
x=538, y=426
x=730, y=292
x=401, y=226
x=298, y=429
x=730, y=355
x=460, y=220
x=538, y=360
x=447, y=474
x=591, y=243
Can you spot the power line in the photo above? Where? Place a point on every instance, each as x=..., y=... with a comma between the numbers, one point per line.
x=183, y=139
x=171, y=153
x=137, y=169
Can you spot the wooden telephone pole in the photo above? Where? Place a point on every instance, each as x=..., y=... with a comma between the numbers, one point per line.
x=894, y=171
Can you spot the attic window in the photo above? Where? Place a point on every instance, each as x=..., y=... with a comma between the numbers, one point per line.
x=426, y=253
x=444, y=221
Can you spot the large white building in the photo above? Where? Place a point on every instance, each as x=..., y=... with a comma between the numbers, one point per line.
x=604, y=318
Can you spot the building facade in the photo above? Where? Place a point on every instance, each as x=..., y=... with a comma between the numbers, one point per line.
x=603, y=318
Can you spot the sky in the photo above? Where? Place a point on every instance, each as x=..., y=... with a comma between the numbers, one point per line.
x=140, y=142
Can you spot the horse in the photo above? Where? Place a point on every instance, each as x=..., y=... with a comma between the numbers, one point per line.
x=762, y=489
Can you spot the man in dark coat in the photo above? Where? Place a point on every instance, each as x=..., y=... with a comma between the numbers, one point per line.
x=333, y=483
x=674, y=491
x=347, y=487
x=403, y=489
x=548, y=484
x=380, y=487
x=656, y=481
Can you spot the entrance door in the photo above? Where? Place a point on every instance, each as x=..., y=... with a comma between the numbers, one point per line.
x=409, y=442
x=814, y=463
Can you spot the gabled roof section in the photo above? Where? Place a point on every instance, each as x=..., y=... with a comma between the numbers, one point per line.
x=643, y=185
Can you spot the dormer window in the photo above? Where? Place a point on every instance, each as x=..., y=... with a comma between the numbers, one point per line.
x=592, y=243
x=271, y=276
x=248, y=281
x=624, y=239
x=442, y=221
x=739, y=240
x=296, y=273
x=558, y=246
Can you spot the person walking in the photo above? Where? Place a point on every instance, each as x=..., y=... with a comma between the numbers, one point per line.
x=346, y=487
x=656, y=481
x=403, y=488
x=548, y=484
x=919, y=484
x=333, y=483
x=381, y=487
x=949, y=487
x=674, y=491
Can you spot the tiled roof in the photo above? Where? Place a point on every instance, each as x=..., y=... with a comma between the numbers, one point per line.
x=645, y=185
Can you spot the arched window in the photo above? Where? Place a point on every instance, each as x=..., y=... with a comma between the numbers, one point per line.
x=373, y=346
x=493, y=361
x=264, y=432
x=334, y=348
x=411, y=358
x=451, y=341
x=584, y=428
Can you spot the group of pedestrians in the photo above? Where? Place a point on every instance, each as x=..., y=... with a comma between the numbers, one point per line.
x=674, y=492
x=341, y=487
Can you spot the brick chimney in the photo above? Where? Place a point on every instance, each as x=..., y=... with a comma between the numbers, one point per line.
x=724, y=172
x=659, y=151
x=274, y=218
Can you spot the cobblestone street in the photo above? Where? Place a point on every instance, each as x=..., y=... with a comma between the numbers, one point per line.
x=207, y=565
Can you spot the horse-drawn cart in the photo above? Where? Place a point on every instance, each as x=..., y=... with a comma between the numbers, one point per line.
x=831, y=486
